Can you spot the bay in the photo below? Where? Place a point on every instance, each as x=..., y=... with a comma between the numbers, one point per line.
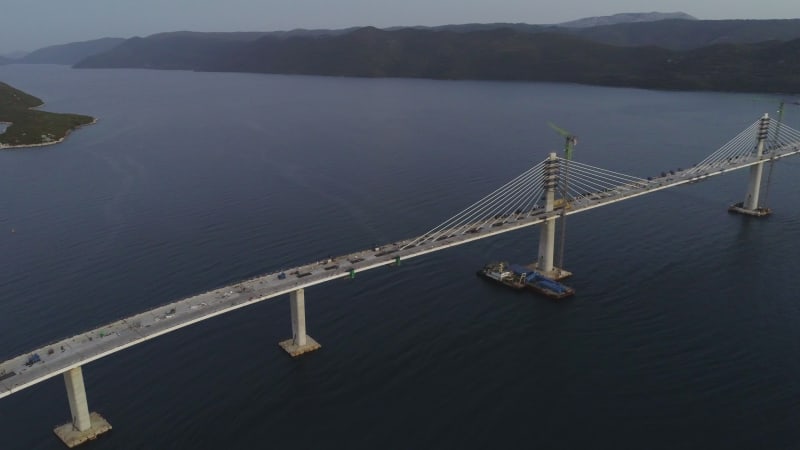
x=682, y=334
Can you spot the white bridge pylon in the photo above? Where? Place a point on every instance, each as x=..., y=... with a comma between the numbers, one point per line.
x=536, y=192
x=541, y=189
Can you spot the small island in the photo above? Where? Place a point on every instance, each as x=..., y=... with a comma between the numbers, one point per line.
x=28, y=127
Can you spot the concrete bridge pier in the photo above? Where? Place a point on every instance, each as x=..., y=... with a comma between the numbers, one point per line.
x=750, y=204
x=547, y=235
x=300, y=342
x=85, y=425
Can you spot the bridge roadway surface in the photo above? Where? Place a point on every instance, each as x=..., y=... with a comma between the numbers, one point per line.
x=61, y=356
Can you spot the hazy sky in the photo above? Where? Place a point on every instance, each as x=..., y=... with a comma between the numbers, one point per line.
x=31, y=24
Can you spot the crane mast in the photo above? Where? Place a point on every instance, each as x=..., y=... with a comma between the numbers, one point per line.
x=570, y=141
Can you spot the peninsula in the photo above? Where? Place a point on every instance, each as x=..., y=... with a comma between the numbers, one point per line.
x=30, y=127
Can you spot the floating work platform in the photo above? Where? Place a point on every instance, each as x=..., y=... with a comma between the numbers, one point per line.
x=758, y=212
x=519, y=277
x=72, y=437
x=547, y=286
x=556, y=274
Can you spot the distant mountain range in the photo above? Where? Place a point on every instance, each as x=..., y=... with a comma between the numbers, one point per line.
x=624, y=18
x=69, y=54
x=691, y=34
x=673, y=34
x=652, y=50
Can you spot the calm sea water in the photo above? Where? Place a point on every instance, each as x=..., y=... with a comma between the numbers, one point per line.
x=683, y=333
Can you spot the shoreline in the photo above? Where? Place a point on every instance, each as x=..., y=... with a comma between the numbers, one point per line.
x=45, y=144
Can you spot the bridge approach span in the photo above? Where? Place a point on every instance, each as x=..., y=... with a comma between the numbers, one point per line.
x=512, y=207
x=59, y=357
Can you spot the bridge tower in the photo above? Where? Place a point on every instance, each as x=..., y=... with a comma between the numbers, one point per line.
x=85, y=426
x=547, y=235
x=750, y=204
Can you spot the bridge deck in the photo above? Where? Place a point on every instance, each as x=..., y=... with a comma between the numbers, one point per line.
x=80, y=349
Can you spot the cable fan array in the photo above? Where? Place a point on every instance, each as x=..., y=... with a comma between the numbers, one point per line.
x=742, y=148
x=524, y=197
x=520, y=196
x=585, y=182
x=577, y=184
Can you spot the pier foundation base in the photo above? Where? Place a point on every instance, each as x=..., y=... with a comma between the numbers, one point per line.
x=297, y=350
x=757, y=212
x=73, y=437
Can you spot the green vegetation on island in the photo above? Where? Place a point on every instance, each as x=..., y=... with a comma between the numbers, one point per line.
x=30, y=127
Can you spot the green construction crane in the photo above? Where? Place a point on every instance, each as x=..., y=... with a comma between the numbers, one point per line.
x=781, y=108
x=570, y=140
x=783, y=103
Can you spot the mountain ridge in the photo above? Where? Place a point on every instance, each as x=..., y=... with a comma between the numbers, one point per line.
x=635, y=17
x=498, y=54
x=651, y=50
x=71, y=53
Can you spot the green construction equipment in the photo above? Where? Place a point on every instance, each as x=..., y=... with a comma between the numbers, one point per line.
x=570, y=141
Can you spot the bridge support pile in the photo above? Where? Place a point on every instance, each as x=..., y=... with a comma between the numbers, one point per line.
x=85, y=425
x=300, y=342
x=547, y=236
x=750, y=204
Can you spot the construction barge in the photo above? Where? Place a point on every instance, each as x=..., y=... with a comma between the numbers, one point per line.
x=519, y=277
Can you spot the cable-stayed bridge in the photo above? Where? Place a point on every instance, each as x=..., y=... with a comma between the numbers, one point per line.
x=550, y=190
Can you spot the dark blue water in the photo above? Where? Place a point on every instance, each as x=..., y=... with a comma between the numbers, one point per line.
x=683, y=333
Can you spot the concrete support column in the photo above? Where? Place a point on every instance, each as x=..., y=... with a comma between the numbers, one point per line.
x=547, y=242
x=756, y=171
x=297, y=304
x=78, y=405
x=750, y=204
x=300, y=342
x=547, y=235
x=753, y=187
x=85, y=426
